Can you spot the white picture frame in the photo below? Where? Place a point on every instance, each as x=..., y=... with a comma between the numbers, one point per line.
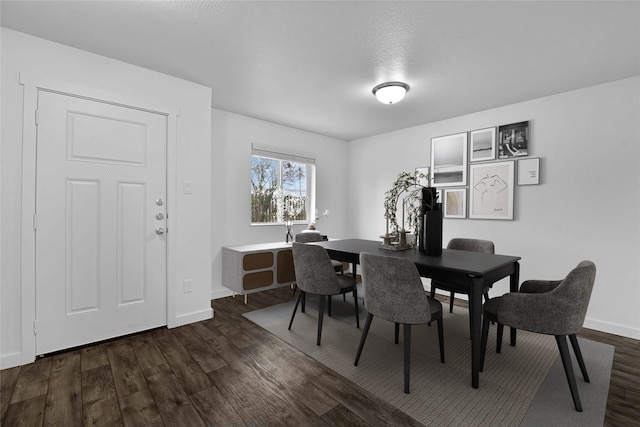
x=455, y=203
x=529, y=171
x=449, y=160
x=482, y=144
x=491, y=190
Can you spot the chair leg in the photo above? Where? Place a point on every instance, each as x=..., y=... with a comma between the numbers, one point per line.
x=452, y=296
x=407, y=355
x=295, y=308
x=329, y=304
x=568, y=370
x=363, y=338
x=397, y=332
x=578, y=353
x=304, y=300
x=441, y=339
x=320, y=316
x=355, y=304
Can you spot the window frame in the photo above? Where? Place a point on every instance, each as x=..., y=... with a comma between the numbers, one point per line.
x=281, y=157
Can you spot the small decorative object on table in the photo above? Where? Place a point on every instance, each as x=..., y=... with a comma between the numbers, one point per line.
x=312, y=225
x=418, y=200
x=289, y=207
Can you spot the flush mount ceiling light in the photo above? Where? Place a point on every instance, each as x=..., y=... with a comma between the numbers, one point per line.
x=390, y=92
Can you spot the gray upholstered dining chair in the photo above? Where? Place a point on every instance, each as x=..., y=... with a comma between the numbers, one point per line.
x=462, y=244
x=315, y=275
x=550, y=307
x=317, y=237
x=395, y=293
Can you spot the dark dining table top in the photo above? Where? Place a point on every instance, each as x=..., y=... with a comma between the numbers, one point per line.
x=467, y=262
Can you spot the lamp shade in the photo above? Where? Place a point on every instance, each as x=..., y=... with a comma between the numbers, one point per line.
x=390, y=92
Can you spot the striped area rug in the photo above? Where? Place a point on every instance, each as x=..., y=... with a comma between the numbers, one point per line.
x=441, y=394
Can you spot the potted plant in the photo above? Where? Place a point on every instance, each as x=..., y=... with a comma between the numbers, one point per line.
x=416, y=199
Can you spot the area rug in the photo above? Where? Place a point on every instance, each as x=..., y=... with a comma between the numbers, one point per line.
x=522, y=386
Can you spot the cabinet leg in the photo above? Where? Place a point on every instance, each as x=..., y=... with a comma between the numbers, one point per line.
x=246, y=298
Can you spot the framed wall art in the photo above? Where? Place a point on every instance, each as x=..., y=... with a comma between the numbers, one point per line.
x=483, y=144
x=449, y=160
x=529, y=171
x=513, y=140
x=491, y=190
x=455, y=203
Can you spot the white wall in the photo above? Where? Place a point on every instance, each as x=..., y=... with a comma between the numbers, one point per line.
x=586, y=207
x=232, y=136
x=189, y=237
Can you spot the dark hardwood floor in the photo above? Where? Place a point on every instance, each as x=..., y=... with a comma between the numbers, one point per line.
x=226, y=372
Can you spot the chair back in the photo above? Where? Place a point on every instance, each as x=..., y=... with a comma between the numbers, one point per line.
x=475, y=245
x=571, y=297
x=308, y=237
x=557, y=308
x=393, y=289
x=314, y=272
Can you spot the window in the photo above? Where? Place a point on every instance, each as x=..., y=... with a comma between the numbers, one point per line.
x=281, y=187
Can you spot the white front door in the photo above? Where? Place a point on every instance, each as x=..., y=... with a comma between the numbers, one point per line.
x=100, y=221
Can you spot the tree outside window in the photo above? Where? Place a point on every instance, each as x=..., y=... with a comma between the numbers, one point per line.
x=279, y=190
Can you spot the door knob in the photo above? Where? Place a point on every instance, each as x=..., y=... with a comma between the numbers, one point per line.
x=159, y=231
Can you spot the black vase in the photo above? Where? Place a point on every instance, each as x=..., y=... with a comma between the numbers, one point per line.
x=432, y=233
x=430, y=238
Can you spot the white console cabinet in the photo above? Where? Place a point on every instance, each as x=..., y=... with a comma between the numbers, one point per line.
x=253, y=268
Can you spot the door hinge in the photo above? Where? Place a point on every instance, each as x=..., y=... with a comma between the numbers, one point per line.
x=35, y=330
x=37, y=117
x=35, y=221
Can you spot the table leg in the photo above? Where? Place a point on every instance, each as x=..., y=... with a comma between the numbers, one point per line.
x=513, y=287
x=475, y=314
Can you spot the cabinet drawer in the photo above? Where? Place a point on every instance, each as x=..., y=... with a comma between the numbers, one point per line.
x=256, y=280
x=257, y=261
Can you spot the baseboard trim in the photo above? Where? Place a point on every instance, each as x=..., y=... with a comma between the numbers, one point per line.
x=612, y=328
x=221, y=293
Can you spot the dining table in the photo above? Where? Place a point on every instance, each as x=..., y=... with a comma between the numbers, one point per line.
x=475, y=271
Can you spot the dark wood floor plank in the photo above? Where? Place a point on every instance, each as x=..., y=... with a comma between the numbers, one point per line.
x=28, y=413
x=97, y=384
x=361, y=403
x=8, y=380
x=214, y=409
x=205, y=356
x=293, y=378
x=146, y=350
x=104, y=412
x=256, y=411
x=187, y=370
x=126, y=371
x=33, y=380
x=94, y=356
x=139, y=409
x=205, y=329
x=186, y=335
x=342, y=417
x=64, y=399
x=171, y=400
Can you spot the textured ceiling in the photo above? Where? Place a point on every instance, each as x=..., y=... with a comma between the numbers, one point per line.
x=311, y=65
